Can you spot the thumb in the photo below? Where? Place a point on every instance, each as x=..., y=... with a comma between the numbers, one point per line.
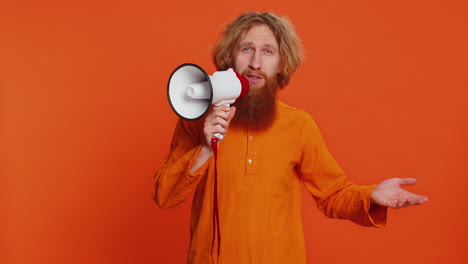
x=407, y=181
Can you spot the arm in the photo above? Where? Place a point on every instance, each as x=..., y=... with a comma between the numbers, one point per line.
x=335, y=195
x=189, y=157
x=173, y=181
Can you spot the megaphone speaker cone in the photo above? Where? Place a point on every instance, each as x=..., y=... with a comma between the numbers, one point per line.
x=178, y=86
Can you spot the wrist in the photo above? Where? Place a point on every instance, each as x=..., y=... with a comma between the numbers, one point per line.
x=203, y=156
x=373, y=196
x=206, y=150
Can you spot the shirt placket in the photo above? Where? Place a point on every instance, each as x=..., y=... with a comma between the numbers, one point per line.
x=250, y=159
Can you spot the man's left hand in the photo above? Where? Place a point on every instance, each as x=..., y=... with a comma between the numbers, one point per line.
x=390, y=194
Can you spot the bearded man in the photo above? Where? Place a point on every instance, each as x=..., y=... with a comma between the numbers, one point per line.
x=270, y=149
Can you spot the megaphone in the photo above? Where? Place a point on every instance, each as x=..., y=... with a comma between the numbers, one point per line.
x=191, y=91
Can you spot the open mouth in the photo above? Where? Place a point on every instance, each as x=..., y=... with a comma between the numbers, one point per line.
x=254, y=78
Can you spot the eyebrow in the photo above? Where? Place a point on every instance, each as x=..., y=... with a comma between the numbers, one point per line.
x=251, y=43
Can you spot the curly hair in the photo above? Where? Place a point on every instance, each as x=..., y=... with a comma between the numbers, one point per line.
x=291, y=51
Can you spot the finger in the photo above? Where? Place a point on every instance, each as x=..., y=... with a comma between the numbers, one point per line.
x=220, y=122
x=411, y=202
x=417, y=199
x=392, y=203
x=231, y=112
x=210, y=131
x=219, y=109
x=231, y=116
x=402, y=203
x=222, y=108
x=420, y=200
x=407, y=181
x=414, y=200
x=220, y=114
x=212, y=121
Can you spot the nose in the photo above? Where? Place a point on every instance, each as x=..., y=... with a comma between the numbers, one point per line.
x=255, y=61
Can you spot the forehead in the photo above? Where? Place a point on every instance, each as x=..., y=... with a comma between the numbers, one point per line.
x=260, y=35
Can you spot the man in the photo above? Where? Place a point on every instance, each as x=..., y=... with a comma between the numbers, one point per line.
x=269, y=151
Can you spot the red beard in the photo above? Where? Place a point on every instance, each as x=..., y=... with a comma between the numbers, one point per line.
x=258, y=108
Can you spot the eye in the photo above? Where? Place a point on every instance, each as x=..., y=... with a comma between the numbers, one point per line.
x=247, y=49
x=269, y=51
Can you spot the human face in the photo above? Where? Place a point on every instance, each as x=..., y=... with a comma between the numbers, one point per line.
x=257, y=53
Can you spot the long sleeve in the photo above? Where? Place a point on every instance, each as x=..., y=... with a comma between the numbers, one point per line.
x=173, y=182
x=335, y=195
x=260, y=176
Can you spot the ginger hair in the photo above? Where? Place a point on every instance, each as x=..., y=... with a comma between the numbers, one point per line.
x=291, y=51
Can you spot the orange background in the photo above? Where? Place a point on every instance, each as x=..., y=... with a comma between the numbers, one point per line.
x=85, y=123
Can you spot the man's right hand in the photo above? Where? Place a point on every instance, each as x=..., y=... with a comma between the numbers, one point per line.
x=217, y=121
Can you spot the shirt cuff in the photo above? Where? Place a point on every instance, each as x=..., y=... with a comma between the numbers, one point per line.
x=376, y=214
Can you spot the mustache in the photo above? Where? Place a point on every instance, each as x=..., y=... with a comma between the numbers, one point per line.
x=249, y=71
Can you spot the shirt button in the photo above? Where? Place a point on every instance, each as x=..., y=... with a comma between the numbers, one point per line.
x=250, y=137
x=250, y=161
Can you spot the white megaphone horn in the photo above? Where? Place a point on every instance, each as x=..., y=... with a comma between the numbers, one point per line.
x=191, y=90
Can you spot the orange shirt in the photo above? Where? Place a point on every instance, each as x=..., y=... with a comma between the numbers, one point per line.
x=259, y=184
